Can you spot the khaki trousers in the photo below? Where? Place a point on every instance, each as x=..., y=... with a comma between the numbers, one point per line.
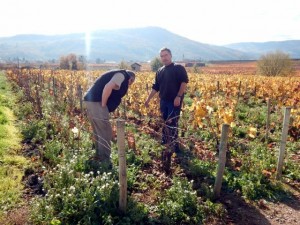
x=102, y=131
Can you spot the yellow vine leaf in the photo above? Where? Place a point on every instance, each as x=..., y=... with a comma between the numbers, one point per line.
x=252, y=132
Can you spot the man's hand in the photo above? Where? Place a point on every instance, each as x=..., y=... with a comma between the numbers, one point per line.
x=153, y=92
x=147, y=103
x=177, y=101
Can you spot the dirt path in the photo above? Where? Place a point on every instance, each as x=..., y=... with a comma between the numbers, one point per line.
x=286, y=211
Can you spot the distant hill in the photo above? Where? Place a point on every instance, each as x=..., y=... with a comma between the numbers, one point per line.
x=139, y=44
x=136, y=44
x=256, y=49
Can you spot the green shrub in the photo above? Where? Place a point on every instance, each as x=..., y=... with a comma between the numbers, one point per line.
x=35, y=131
x=240, y=132
x=155, y=64
x=27, y=108
x=179, y=205
x=200, y=168
x=254, y=186
x=52, y=150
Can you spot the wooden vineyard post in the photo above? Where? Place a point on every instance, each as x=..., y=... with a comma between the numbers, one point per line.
x=239, y=93
x=218, y=87
x=285, y=128
x=80, y=96
x=254, y=92
x=40, y=79
x=38, y=97
x=49, y=81
x=19, y=74
x=54, y=87
x=222, y=161
x=124, y=108
x=122, y=165
x=268, y=119
x=20, y=78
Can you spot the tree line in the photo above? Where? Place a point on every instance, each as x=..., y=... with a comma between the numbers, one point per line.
x=271, y=64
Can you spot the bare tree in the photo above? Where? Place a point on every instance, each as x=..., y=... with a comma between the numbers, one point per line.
x=275, y=64
x=73, y=61
x=123, y=65
x=69, y=62
x=63, y=63
x=82, y=62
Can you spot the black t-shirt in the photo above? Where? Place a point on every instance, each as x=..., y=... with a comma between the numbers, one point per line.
x=168, y=80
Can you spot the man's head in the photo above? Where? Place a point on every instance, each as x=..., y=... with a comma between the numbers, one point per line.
x=165, y=56
x=131, y=76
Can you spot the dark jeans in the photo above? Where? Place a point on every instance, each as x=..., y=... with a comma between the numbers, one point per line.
x=170, y=114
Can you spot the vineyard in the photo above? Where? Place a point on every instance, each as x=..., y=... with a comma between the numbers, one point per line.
x=67, y=190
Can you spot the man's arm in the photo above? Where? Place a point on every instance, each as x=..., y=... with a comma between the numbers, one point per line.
x=179, y=94
x=182, y=89
x=153, y=92
x=107, y=92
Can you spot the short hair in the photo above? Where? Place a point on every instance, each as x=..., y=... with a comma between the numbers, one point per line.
x=131, y=74
x=165, y=49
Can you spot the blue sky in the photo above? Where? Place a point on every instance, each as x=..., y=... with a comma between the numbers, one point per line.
x=213, y=21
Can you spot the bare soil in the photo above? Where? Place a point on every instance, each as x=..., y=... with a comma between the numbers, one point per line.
x=262, y=212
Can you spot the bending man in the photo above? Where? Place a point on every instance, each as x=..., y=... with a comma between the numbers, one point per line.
x=103, y=97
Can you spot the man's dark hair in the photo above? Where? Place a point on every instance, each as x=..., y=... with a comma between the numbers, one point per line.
x=165, y=49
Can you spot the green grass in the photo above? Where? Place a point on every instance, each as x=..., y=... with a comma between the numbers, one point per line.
x=9, y=135
x=11, y=164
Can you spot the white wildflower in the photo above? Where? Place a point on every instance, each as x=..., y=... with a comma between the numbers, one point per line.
x=209, y=109
x=75, y=130
x=72, y=188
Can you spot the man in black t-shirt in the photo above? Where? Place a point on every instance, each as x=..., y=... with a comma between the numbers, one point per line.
x=170, y=81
